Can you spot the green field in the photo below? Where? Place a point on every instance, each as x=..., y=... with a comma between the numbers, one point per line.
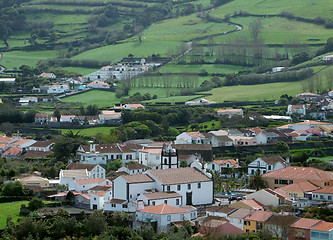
x=197, y=68
x=102, y=99
x=270, y=91
x=175, y=99
x=91, y=132
x=302, y=8
x=12, y=209
x=81, y=70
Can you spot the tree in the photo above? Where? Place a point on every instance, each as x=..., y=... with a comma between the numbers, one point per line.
x=255, y=28
x=35, y=204
x=57, y=114
x=114, y=165
x=256, y=182
x=65, y=147
x=13, y=189
x=95, y=224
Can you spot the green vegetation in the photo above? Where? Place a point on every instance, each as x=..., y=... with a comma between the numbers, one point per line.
x=10, y=209
x=89, y=132
x=102, y=99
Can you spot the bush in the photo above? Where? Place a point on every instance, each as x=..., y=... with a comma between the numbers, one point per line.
x=35, y=204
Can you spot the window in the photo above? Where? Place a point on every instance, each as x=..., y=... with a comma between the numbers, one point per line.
x=247, y=223
x=113, y=205
x=178, y=187
x=93, y=175
x=329, y=198
x=169, y=217
x=321, y=197
x=269, y=167
x=247, y=230
x=182, y=216
x=189, y=186
x=177, y=201
x=168, y=188
x=153, y=203
x=94, y=198
x=131, y=196
x=213, y=166
x=165, y=201
x=124, y=205
x=199, y=185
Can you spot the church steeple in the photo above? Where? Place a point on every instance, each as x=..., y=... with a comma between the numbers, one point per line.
x=169, y=157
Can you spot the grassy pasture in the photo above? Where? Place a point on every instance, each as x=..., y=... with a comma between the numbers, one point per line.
x=278, y=30
x=82, y=71
x=158, y=39
x=12, y=209
x=302, y=8
x=17, y=58
x=88, y=131
x=175, y=99
x=102, y=99
x=270, y=91
x=196, y=68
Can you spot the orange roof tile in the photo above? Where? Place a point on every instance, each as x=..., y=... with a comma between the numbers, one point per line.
x=323, y=226
x=195, y=134
x=89, y=181
x=100, y=194
x=328, y=190
x=253, y=203
x=300, y=173
x=163, y=209
x=305, y=186
x=259, y=216
x=152, y=150
x=305, y=223
x=12, y=151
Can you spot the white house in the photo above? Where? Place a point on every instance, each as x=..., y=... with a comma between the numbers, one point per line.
x=109, y=117
x=328, y=58
x=98, y=84
x=133, y=106
x=266, y=164
x=98, y=199
x=102, y=153
x=220, y=211
x=277, y=69
x=266, y=137
x=41, y=118
x=25, y=101
x=195, y=186
x=47, y=75
x=307, y=96
x=83, y=185
x=54, y=89
x=163, y=215
x=236, y=218
x=191, y=138
x=157, y=198
x=324, y=194
x=296, y=109
x=68, y=177
x=230, y=112
x=218, y=165
x=151, y=157
x=67, y=118
x=199, y=102
x=94, y=170
x=132, y=169
x=269, y=197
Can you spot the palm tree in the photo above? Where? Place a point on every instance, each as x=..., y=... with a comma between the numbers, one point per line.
x=256, y=182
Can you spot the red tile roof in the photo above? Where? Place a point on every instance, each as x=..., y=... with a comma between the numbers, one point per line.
x=195, y=134
x=305, y=186
x=42, y=144
x=89, y=181
x=259, y=216
x=163, y=209
x=323, y=226
x=328, y=190
x=305, y=223
x=117, y=201
x=36, y=154
x=73, y=166
x=100, y=194
x=254, y=204
x=300, y=173
x=161, y=195
x=12, y=151
x=138, y=178
x=225, y=161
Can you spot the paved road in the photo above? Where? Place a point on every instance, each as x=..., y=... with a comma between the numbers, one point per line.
x=2, y=68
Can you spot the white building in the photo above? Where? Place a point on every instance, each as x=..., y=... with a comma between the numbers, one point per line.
x=68, y=177
x=151, y=157
x=132, y=169
x=98, y=199
x=195, y=187
x=25, y=101
x=236, y=218
x=109, y=117
x=219, y=165
x=269, y=197
x=296, y=109
x=54, y=89
x=157, y=198
x=98, y=84
x=220, y=211
x=163, y=215
x=277, y=69
x=266, y=164
x=67, y=118
x=200, y=102
x=83, y=185
x=191, y=138
x=230, y=112
x=102, y=153
x=324, y=194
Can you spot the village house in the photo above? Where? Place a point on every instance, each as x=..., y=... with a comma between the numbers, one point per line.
x=217, y=227
x=256, y=221
x=98, y=84
x=322, y=231
x=109, y=117
x=162, y=215
x=55, y=89
x=289, y=175
x=203, y=150
x=219, y=165
x=25, y=101
x=323, y=195
x=328, y=58
x=220, y=211
x=301, y=228
x=236, y=218
x=47, y=75
x=44, y=146
x=296, y=109
x=102, y=153
x=83, y=185
x=305, y=125
x=243, y=141
x=130, y=106
x=298, y=190
x=307, y=96
x=67, y=118
x=191, y=138
x=93, y=170
x=278, y=225
x=131, y=169
x=68, y=177
x=269, y=197
x=266, y=164
x=41, y=118
x=33, y=180
x=199, y=102
x=248, y=204
x=265, y=137
x=151, y=157
x=230, y=112
x=157, y=198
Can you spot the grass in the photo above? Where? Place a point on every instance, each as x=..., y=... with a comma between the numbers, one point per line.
x=81, y=70
x=91, y=132
x=325, y=159
x=196, y=68
x=14, y=59
x=12, y=209
x=102, y=99
x=302, y=8
x=174, y=99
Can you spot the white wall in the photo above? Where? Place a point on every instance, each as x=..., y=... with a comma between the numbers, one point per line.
x=264, y=197
x=237, y=222
x=170, y=201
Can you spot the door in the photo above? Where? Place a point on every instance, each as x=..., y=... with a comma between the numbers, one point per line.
x=189, y=198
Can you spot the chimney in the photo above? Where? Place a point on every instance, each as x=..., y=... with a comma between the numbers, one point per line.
x=92, y=147
x=140, y=205
x=288, y=160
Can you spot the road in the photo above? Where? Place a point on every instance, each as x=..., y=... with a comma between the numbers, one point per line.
x=2, y=68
